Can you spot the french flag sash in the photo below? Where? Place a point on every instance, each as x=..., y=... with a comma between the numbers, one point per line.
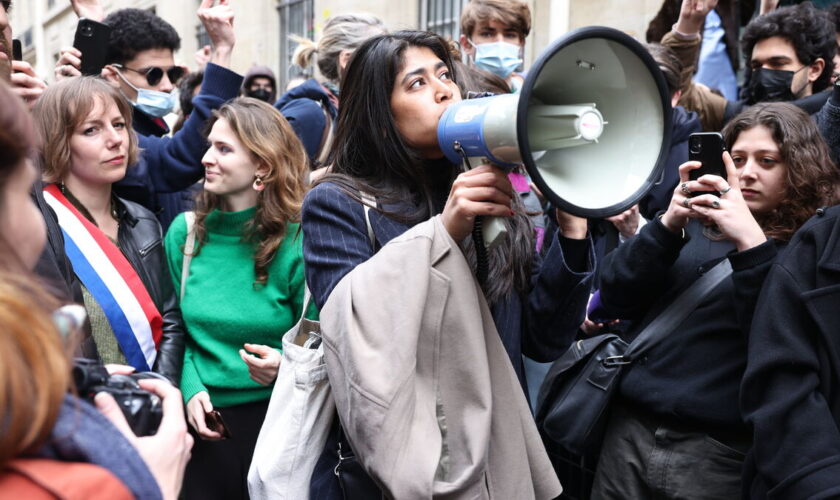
x=110, y=279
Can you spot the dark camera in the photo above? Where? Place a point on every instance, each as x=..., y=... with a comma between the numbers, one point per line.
x=141, y=408
x=86, y=30
x=695, y=144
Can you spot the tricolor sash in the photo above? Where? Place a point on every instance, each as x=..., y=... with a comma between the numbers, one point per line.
x=110, y=279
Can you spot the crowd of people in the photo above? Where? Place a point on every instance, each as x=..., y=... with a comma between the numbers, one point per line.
x=169, y=263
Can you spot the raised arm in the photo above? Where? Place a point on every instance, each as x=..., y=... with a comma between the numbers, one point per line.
x=684, y=39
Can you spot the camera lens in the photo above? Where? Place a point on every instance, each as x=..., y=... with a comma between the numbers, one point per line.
x=87, y=31
x=694, y=144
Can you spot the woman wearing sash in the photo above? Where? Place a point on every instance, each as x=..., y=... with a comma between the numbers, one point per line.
x=114, y=245
x=241, y=286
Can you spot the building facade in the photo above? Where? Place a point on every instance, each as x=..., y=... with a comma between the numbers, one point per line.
x=262, y=26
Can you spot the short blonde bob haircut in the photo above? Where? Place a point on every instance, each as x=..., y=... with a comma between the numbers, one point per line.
x=62, y=109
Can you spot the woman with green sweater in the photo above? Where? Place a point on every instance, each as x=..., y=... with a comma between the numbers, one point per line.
x=243, y=289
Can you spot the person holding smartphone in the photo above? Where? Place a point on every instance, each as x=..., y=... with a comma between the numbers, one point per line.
x=675, y=430
x=141, y=64
x=241, y=289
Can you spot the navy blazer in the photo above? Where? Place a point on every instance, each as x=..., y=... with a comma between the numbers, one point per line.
x=541, y=325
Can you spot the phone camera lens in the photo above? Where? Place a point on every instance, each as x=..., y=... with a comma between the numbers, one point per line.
x=87, y=31
x=694, y=144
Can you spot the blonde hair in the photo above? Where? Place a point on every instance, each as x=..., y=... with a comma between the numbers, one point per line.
x=34, y=368
x=272, y=143
x=62, y=108
x=342, y=32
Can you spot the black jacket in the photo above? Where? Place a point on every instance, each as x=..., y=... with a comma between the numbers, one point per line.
x=141, y=241
x=790, y=389
x=692, y=375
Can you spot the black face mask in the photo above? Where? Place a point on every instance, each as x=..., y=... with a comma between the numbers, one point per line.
x=771, y=85
x=261, y=94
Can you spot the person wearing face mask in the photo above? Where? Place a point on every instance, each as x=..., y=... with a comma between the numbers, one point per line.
x=493, y=36
x=141, y=65
x=790, y=51
x=260, y=83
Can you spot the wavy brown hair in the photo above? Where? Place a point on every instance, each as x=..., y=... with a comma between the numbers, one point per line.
x=811, y=179
x=62, y=108
x=272, y=143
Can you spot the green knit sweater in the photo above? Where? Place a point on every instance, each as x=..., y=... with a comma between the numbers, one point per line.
x=223, y=309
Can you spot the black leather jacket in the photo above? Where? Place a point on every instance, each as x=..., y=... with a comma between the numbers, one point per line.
x=141, y=241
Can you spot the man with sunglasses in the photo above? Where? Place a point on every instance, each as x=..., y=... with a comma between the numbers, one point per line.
x=142, y=65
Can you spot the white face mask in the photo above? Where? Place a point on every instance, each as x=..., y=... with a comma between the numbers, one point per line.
x=499, y=58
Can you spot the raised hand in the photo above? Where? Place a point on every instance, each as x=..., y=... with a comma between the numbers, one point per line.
x=693, y=15
x=218, y=22
x=69, y=64
x=89, y=9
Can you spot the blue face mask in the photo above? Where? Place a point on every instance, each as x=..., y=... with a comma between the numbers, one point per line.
x=499, y=58
x=153, y=102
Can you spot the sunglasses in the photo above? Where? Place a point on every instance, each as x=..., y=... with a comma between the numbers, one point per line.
x=154, y=74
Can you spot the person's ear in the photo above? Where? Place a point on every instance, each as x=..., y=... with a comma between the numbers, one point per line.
x=262, y=170
x=466, y=46
x=815, y=69
x=343, y=59
x=109, y=74
x=675, y=98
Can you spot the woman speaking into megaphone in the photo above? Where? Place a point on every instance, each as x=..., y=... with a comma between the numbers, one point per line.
x=386, y=155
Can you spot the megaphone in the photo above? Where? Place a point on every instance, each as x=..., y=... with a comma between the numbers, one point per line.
x=591, y=124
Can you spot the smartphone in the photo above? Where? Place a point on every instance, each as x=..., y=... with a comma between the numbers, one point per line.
x=92, y=41
x=17, y=50
x=215, y=422
x=707, y=148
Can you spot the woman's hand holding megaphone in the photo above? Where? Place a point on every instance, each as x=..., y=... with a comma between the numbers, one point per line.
x=728, y=211
x=484, y=190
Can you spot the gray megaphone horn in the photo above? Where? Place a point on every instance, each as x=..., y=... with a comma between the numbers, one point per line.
x=591, y=124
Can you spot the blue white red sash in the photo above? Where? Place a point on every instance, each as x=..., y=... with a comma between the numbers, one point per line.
x=111, y=280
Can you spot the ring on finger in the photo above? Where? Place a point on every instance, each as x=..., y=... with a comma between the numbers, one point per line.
x=727, y=189
x=684, y=188
x=715, y=204
x=687, y=203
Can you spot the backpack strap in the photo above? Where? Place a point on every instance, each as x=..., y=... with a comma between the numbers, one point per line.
x=189, y=247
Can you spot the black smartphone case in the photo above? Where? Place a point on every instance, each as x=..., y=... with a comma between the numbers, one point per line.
x=17, y=50
x=709, y=153
x=92, y=41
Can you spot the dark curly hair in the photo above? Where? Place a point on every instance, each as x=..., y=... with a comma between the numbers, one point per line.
x=811, y=179
x=136, y=30
x=806, y=27
x=834, y=16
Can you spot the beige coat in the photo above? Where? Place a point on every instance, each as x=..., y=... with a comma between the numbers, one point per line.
x=423, y=385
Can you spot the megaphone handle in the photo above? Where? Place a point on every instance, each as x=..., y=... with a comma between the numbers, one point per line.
x=494, y=231
x=481, y=264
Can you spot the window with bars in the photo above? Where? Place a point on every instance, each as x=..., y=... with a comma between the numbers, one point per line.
x=297, y=17
x=442, y=17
